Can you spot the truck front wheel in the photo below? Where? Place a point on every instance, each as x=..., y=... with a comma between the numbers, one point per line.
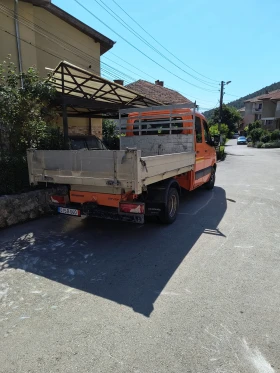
x=171, y=207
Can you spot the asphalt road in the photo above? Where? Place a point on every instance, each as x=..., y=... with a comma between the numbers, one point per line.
x=201, y=295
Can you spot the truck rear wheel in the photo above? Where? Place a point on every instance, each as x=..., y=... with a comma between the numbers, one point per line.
x=171, y=207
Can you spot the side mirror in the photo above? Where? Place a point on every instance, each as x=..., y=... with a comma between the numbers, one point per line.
x=216, y=140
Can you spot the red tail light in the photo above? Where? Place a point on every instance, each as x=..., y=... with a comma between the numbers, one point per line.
x=132, y=208
x=59, y=199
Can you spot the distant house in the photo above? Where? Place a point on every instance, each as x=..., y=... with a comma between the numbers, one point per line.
x=253, y=110
x=265, y=108
x=158, y=92
x=271, y=110
x=241, y=123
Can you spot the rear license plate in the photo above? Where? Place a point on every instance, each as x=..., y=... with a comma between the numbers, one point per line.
x=66, y=211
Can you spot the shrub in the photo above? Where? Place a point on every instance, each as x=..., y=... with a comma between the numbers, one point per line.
x=259, y=144
x=275, y=135
x=254, y=125
x=256, y=134
x=271, y=145
x=266, y=137
x=13, y=174
x=111, y=136
x=26, y=121
x=214, y=129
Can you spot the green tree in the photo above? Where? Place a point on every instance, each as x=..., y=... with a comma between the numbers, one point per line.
x=214, y=129
x=254, y=125
x=230, y=116
x=110, y=133
x=256, y=134
x=25, y=113
x=26, y=121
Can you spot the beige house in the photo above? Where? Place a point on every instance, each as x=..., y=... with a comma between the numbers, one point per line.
x=253, y=110
x=38, y=33
x=271, y=110
x=265, y=108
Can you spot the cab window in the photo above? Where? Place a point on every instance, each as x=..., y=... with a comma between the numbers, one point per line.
x=198, y=132
x=207, y=137
x=159, y=128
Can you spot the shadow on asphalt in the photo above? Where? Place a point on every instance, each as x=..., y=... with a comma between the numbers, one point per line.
x=126, y=263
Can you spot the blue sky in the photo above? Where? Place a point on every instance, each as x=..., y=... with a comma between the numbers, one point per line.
x=222, y=40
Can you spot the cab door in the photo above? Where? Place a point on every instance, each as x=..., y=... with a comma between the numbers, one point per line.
x=200, y=153
x=209, y=151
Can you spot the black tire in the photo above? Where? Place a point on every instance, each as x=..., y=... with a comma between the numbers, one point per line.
x=211, y=182
x=171, y=207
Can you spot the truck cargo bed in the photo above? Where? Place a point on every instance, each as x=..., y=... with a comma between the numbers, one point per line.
x=110, y=171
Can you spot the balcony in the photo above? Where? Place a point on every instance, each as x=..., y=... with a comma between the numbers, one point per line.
x=257, y=108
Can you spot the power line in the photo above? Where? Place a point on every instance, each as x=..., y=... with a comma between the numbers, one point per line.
x=133, y=46
x=229, y=94
x=182, y=93
x=128, y=27
x=62, y=43
x=108, y=70
x=163, y=45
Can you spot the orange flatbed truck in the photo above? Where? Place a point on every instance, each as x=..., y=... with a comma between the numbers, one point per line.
x=162, y=150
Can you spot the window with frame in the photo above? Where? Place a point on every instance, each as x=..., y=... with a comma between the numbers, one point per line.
x=207, y=136
x=158, y=126
x=198, y=132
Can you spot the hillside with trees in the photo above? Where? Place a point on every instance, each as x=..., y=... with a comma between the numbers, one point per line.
x=239, y=103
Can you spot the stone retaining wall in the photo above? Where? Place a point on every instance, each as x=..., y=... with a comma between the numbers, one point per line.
x=26, y=206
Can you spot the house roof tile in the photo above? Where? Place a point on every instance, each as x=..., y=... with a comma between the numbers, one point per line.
x=157, y=92
x=273, y=95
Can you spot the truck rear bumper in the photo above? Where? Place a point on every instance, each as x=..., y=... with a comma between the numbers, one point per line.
x=96, y=211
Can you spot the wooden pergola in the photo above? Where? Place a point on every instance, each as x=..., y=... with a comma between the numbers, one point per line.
x=81, y=93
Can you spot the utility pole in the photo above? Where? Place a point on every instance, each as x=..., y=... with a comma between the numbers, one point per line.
x=221, y=102
x=221, y=105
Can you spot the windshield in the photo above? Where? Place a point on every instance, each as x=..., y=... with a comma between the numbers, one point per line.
x=77, y=144
x=90, y=143
x=94, y=143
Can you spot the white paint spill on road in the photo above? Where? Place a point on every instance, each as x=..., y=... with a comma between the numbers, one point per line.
x=3, y=291
x=223, y=326
x=213, y=335
x=36, y=292
x=171, y=293
x=24, y=317
x=65, y=298
x=257, y=359
x=243, y=247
